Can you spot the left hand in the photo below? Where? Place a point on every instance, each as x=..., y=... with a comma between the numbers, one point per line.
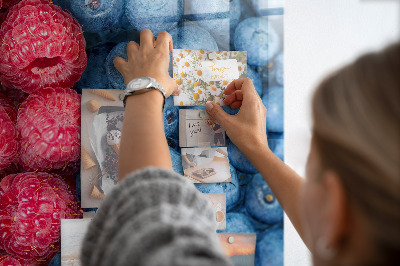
x=150, y=59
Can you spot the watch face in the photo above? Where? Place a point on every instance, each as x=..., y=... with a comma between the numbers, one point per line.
x=140, y=83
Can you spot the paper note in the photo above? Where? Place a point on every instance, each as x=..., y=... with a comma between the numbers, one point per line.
x=204, y=75
x=197, y=128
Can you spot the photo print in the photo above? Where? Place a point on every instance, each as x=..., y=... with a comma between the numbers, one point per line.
x=218, y=202
x=102, y=115
x=198, y=129
x=204, y=75
x=240, y=248
x=72, y=234
x=206, y=165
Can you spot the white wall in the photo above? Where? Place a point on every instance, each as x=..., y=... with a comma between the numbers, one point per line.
x=320, y=36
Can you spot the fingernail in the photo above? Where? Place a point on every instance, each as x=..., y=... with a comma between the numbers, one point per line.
x=209, y=106
x=179, y=90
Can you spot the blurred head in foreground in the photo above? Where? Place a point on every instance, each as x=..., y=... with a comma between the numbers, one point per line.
x=351, y=200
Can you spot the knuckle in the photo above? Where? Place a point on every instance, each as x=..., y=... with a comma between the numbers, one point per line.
x=163, y=34
x=117, y=61
x=131, y=45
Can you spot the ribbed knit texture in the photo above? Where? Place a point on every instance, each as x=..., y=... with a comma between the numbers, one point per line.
x=153, y=217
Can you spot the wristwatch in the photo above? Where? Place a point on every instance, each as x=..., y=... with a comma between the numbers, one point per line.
x=141, y=85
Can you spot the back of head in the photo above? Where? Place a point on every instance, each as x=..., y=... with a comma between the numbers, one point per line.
x=356, y=114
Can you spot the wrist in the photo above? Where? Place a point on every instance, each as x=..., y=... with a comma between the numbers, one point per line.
x=258, y=146
x=148, y=100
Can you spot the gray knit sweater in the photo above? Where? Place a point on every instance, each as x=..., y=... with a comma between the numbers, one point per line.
x=153, y=217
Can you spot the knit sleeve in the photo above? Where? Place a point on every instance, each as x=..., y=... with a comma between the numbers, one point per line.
x=153, y=217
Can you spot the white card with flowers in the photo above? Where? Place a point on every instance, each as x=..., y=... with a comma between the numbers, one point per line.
x=204, y=75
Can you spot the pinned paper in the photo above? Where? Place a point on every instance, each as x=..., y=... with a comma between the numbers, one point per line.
x=204, y=75
x=217, y=70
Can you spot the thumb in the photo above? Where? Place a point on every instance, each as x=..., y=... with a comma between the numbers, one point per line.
x=218, y=113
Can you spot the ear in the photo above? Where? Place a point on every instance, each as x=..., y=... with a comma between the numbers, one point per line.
x=336, y=213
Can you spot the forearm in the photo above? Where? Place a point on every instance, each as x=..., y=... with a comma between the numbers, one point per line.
x=285, y=183
x=143, y=140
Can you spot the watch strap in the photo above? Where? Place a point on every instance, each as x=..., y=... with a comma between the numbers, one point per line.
x=154, y=85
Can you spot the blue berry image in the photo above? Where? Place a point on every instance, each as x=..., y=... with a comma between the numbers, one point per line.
x=61, y=3
x=231, y=189
x=258, y=37
x=276, y=146
x=261, y=7
x=218, y=17
x=237, y=223
x=115, y=78
x=160, y=15
x=269, y=248
x=255, y=77
x=193, y=37
x=261, y=202
x=273, y=101
x=176, y=160
x=95, y=76
x=229, y=110
x=246, y=10
x=95, y=15
x=239, y=160
x=171, y=118
x=124, y=22
x=244, y=178
x=279, y=69
x=173, y=142
x=56, y=260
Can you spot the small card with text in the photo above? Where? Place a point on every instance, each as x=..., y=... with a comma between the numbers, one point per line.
x=204, y=75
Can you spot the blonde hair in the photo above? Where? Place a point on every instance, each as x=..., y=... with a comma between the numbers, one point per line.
x=356, y=113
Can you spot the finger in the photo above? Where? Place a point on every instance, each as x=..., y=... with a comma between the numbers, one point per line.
x=131, y=48
x=235, y=96
x=147, y=40
x=218, y=113
x=236, y=105
x=171, y=88
x=119, y=63
x=245, y=85
x=177, y=92
x=164, y=41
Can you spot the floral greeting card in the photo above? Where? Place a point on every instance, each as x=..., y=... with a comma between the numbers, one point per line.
x=204, y=75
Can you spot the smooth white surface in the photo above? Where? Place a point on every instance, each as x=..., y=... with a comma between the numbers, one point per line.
x=321, y=36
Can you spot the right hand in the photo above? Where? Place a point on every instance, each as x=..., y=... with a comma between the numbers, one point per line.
x=247, y=129
x=149, y=59
x=192, y=164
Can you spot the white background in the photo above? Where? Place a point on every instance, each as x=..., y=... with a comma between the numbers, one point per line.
x=320, y=36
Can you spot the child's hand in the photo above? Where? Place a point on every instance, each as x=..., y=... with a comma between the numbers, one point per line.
x=150, y=59
x=247, y=129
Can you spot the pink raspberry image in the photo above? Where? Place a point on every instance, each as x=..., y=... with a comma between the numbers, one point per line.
x=14, y=168
x=7, y=260
x=49, y=123
x=42, y=46
x=8, y=3
x=8, y=139
x=9, y=107
x=31, y=206
x=15, y=95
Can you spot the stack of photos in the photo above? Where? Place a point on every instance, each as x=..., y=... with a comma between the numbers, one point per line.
x=204, y=75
